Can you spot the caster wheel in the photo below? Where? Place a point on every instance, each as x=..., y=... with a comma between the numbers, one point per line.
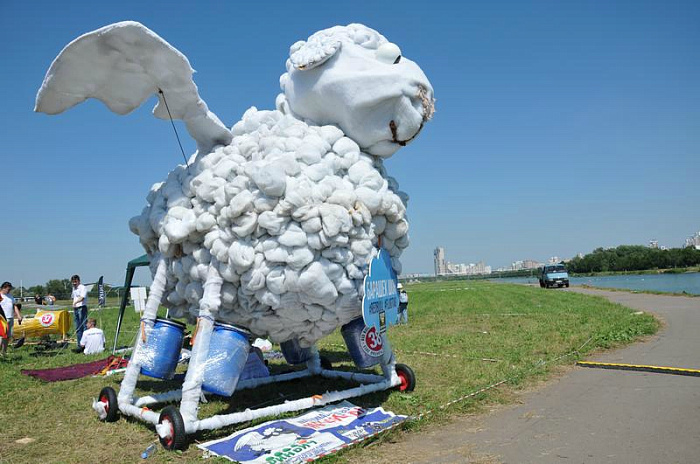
x=408, y=378
x=178, y=438
x=109, y=397
x=326, y=363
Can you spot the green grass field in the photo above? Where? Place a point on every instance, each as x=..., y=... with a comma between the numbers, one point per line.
x=476, y=334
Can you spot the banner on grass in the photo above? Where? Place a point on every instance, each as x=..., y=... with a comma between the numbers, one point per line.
x=305, y=438
x=101, y=297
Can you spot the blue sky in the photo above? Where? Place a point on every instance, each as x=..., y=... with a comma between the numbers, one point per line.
x=560, y=126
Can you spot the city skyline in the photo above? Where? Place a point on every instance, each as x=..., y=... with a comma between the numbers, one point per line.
x=441, y=265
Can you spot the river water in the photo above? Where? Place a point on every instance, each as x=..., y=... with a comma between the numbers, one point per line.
x=688, y=282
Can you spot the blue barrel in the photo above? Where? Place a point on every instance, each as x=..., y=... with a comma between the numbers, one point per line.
x=294, y=353
x=364, y=343
x=228, y=353
x=160, y=354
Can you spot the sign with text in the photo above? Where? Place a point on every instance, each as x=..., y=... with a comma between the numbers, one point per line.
x=305, y=438
x=380, y=303
x=138, y=296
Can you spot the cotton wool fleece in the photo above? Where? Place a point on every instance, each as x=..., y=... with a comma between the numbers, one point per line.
x=289, y=213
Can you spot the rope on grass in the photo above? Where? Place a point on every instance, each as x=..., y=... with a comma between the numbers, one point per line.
x=427, y=353
x=537, y=365
x=443, y=355
x=457, y=400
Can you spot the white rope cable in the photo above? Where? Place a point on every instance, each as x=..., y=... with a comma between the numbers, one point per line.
x=539, y=364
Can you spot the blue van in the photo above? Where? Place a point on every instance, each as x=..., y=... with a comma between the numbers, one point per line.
x=554, y=275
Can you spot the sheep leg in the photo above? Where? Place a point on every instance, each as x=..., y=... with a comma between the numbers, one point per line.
x=314, y=362
x=388, y=361
x=134, y=367
x=208, y=307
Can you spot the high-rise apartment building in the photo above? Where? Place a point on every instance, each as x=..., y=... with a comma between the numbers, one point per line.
x=440, y=264
x=443, y=267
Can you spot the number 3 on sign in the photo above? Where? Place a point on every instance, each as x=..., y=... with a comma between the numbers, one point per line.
x=372, y=342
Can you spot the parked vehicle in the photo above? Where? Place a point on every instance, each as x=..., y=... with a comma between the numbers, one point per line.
x=554, y=275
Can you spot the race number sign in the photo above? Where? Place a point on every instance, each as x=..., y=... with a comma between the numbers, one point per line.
x=380, y=303
x=371, y=342
x=46, y=319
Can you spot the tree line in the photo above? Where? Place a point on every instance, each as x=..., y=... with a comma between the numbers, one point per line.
x=60, y=288
x=634, y=258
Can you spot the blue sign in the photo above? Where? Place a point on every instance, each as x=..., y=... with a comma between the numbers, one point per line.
x=380, y=304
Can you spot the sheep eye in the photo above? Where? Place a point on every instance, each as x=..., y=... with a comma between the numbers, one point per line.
x=388, y=53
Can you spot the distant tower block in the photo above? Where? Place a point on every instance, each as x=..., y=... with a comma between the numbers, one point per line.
x=440, y=264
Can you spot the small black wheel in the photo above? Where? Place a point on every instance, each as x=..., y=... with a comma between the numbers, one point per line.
x=566, y=285
x=178, y=438
x=326, y=363
x=408, y=378
x=109, y=397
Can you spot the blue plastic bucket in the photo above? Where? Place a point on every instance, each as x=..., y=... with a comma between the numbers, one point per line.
x=228, y=353
x=160, y=354
x=364, y=343
x=255, y=366
x=294, y=353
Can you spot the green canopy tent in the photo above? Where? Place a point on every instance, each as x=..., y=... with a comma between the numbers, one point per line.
x=130, y=269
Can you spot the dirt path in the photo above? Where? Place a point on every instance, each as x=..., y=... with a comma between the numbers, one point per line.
x=588, y=415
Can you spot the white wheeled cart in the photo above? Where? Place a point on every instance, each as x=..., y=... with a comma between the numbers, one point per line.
x=174, y=424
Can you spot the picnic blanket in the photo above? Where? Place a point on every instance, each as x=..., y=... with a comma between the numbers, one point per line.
x=77, y=371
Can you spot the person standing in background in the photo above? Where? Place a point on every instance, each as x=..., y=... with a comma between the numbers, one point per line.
x=80, y=311
x=10, y=311
x=403, y=304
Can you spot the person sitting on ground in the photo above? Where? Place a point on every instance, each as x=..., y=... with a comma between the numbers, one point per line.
x=38, y=299
x=50, y=299
x=93, y=339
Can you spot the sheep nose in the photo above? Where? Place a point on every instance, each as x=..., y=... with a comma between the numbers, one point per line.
x=426, y=101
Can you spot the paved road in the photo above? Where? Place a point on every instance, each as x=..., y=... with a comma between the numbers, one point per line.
x=591, y=415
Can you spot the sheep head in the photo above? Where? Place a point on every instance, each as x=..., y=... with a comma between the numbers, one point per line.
x=352, y=77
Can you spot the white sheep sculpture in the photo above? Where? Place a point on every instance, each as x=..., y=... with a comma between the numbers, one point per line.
x=272, y=224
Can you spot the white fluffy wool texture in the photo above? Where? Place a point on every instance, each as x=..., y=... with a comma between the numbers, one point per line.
x=289, y=213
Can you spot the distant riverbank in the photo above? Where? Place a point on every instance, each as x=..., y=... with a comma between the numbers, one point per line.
x=679, y=270
x=681, y=283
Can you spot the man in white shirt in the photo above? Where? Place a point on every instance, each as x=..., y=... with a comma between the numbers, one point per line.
x=403, y=304
x=80, y=311
x=93, y=339
x=10, y=310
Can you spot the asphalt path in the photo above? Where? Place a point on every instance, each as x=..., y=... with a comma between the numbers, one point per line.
x=590, y=415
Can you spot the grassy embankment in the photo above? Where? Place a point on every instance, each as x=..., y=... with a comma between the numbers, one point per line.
x=482, y=332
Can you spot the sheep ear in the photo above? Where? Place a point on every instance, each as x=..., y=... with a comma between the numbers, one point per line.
x=315, y=52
